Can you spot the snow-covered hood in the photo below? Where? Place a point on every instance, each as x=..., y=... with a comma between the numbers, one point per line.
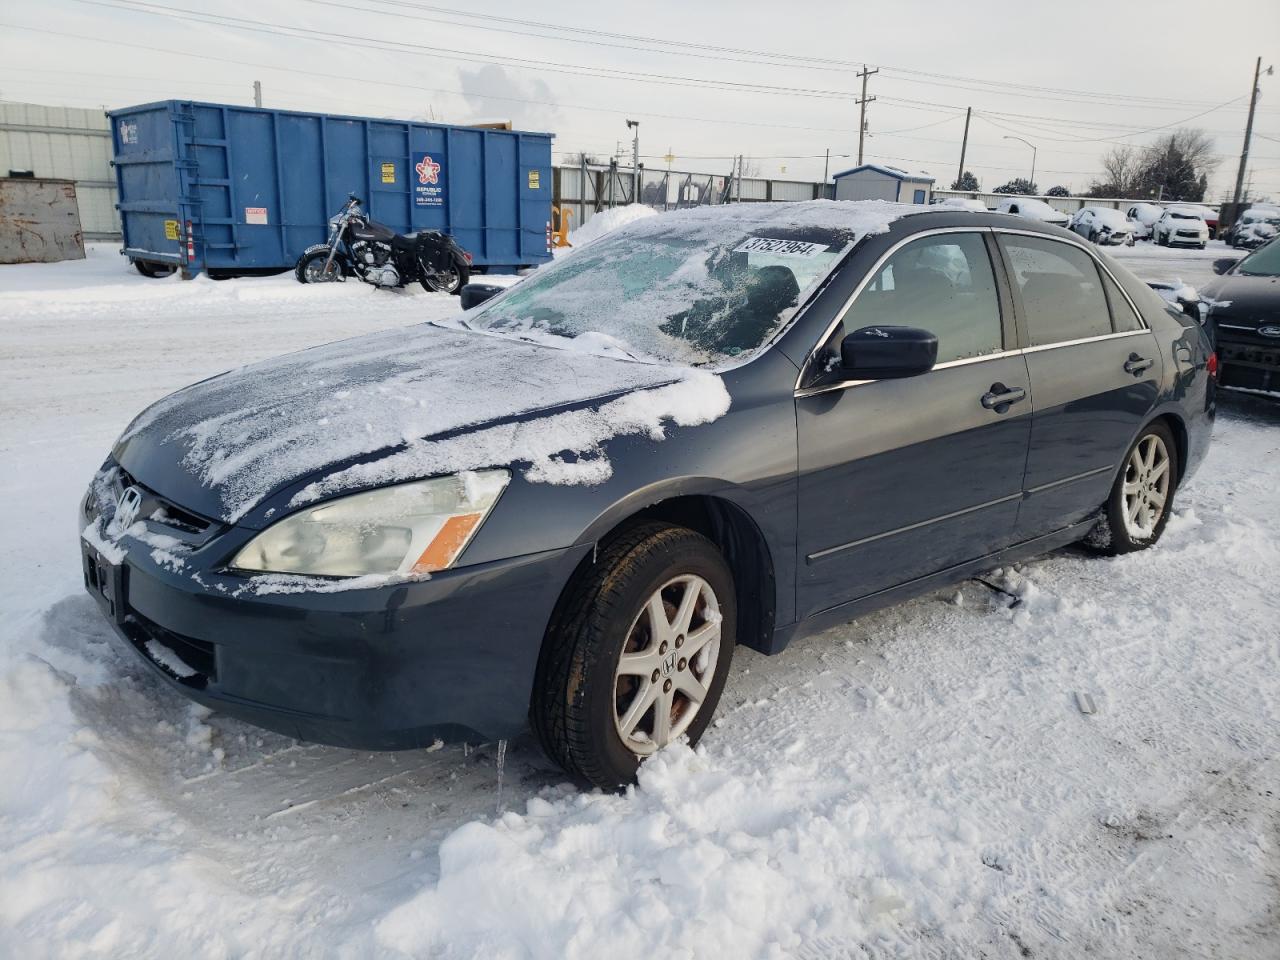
x=396, y=404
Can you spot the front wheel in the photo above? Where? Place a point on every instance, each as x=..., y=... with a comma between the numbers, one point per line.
x=637, y=653
x=310, y=267
x=1142, y=496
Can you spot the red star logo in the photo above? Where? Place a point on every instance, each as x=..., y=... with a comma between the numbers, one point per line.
x=428, y=170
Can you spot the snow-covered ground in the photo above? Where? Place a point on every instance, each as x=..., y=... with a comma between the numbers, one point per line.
x=918, y=783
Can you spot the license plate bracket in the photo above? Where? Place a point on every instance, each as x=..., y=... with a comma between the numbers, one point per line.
x=105, y=581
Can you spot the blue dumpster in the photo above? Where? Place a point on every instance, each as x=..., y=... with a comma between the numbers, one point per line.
x=229, y=189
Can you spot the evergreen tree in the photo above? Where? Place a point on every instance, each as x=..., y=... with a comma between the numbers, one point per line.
x=1020, y=186
x=968, y=182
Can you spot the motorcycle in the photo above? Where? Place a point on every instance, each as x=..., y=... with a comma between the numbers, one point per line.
x=376, y=254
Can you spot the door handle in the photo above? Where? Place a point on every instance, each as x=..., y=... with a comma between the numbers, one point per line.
x=999, y=397
x=1136, y=364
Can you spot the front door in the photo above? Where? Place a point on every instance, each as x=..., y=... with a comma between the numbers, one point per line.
x=1095, y=370
x=903, y=478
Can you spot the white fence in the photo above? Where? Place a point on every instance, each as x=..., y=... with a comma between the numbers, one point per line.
x=69, y=144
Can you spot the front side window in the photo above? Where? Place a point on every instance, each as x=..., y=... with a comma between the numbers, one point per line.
x=1061, y=290
x=943, y=284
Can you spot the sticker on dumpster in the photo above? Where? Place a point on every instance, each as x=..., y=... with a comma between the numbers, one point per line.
x=128, y=131
x=255, y=214
x=428, y=184
x=388, y=173
x=171, y=229
x=535, y=179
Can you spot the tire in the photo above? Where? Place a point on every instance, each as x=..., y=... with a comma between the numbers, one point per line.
x=1203, y=245
x=581, y=697
x=1093, y=237
x=154, y=270
x=459, y=277
x=310, y=266
x=1119, y=531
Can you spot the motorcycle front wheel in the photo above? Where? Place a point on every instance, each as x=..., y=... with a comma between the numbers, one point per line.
x=311, y=267
x=450, y=281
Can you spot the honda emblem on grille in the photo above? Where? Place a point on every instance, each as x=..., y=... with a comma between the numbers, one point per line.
x=127, y=507
x=1269, y=331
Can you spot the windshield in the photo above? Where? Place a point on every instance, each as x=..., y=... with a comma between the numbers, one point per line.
x=690, y=287
x=1262, y=263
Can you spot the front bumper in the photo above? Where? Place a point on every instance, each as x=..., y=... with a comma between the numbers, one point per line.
x=1248, y=362
x=384, y=668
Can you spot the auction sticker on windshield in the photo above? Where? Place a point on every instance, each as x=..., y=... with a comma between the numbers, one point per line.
x=782, y=248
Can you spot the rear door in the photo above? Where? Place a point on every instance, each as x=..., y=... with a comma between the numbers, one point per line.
x=903, y=478
x=1095, y=371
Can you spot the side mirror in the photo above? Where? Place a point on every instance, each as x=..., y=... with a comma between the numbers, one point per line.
x=474, y=294
x=887, y=353
x=1224, y=265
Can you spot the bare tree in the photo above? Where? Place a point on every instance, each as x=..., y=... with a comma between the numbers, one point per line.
x=1123, y=167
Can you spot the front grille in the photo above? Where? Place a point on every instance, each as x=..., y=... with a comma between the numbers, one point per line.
x=159, y=511
x=198, y=655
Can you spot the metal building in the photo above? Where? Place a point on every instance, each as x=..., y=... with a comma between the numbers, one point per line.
x=874, y=181
x=64, y=143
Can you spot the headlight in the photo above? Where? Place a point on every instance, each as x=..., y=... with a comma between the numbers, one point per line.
x=400, y=531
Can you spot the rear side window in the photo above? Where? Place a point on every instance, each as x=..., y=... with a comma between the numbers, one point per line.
x=1123, y=317
x=943, y=284
x=1061, y=290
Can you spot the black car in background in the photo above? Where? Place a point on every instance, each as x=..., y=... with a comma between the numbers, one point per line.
x=1244, y=317
x=713, y=427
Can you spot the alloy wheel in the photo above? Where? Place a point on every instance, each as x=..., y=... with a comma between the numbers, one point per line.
x=316, y=273
x=667, y=664
x=1146, y=487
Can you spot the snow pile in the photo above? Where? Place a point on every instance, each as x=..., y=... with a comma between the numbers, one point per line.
x=703, y=853
x=562, y=448
x=604, y=222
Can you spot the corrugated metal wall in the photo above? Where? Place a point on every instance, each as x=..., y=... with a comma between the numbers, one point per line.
x=69, y=144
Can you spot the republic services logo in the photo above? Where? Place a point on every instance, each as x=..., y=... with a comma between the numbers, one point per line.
x=428, y=170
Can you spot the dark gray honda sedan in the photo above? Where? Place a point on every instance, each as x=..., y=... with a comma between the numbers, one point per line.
x=567, y=506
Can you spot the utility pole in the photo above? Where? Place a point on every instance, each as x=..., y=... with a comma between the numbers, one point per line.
x=826, y=166
x=862, y=112
x=257, y=93
x=1248, y=130
x=964, y=144
x=635, y=160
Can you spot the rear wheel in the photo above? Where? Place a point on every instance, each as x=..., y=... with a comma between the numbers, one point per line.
x=451, y=281
x=1142, y=496
x=150, y=268
x=637, y=653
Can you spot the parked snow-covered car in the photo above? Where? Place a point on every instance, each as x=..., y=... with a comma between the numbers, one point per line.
x=1033, y=210
x=1257, y=226
x=963, y=203
x=1244, y=318
x=1103, y=226
x=1142, y=217
x=1208, y=214
x=1180, y=228
x=567, y=505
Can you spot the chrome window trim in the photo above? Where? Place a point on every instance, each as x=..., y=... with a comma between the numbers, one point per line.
x=799, y=391
x=945, y=365
x=1075, y=343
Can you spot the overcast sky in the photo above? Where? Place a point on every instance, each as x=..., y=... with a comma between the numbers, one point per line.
x=1072, y=78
